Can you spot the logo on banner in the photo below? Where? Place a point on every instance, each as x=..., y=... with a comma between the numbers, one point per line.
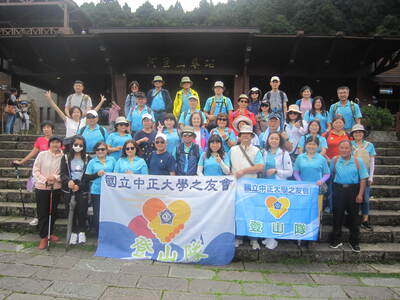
x=277, y=207
x=166, y=222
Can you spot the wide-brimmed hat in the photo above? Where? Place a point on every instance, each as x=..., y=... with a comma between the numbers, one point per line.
x=219, y=84
x=246, y=129
x=121, y=120
x=158, y=78
x=188, y=129
x=294, y=108
x=186, y=79
x=243, y=96
x=241, y=119
x=358, y=127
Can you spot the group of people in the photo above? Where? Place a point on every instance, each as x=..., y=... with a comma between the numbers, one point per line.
x=263, y=137
x=16, y=111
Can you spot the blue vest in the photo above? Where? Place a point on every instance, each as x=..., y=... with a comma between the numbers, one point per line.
x=193, y=159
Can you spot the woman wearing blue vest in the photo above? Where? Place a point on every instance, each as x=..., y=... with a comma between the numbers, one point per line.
x=318, y=112
x=159, y=99
x=129, y=163
x=349, y=174
x=116, y=140
x=95, y=169
x=187, y=153
x=214, y=162
x=314, y=130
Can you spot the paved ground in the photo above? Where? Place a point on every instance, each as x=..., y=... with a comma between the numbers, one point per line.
x=27, y=273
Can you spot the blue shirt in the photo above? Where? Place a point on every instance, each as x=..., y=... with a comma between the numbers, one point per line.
x=323, y=119
x=93, y=136
x=94, y=166
x=161, y=164
x=346, y=113
x=229, y=133
x=210, y=165
x=221, y=106
x=322, y=142
x=185, y=117
x=311, y=169
x=187, y=150
x=135, y=117
x=185, y=102
x=137, y=166
x=173, y=141
x=270, y=163
x=346, y=171
x=116, y=140
x=158, y=101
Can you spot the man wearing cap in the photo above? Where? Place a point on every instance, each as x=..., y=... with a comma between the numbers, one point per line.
x=217, y=104
x=349, y=110
x=181, y=102
x=145, y=138
x=246, y=161
x=273, y=126
x=243, y=103
x=277, y=99
x=136, y=113
x=194, y=106
x=117, y=139
x=93, y=132
x=161, y=162
x=245, y=121
x=159, y=99
x=187, y=153
x=78, y=99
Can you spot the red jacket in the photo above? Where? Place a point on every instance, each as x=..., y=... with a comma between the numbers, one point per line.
x=236, y=114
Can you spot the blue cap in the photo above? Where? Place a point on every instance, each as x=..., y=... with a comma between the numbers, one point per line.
x=274, y=115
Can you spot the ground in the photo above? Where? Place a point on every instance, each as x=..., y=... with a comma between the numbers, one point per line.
x=28, y=273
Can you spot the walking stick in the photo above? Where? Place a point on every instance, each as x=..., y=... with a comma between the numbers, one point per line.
x=17, y=173
x=50, y=215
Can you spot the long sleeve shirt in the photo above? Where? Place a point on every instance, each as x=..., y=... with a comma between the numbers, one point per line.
x=47, y=164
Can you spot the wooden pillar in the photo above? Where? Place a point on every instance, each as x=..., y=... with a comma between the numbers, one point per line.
x=365, y=90
x=66, y=16
x=119, y=92
x=241, y=86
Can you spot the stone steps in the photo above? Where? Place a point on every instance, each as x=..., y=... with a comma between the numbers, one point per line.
x=6, y=162
x=387, y=160
x=21, y=138
x=376, y=217
x=381, y=234
x=27, y=145
x=391, y=144
x=387, y=151
x=15, y=153
x=387, y=170
x=385, y=191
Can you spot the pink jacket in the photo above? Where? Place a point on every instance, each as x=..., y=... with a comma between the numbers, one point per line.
x=47, y=164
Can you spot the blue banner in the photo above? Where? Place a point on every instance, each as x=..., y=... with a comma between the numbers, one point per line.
x=277, y=209
x=167, y=218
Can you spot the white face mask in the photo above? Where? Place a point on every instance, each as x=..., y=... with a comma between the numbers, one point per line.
x=77, y=148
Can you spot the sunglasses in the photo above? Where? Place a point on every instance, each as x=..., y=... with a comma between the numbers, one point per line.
x=292, y=113
x=161, y=142
x=243, y=101
x=90, y=117
x=222, y=119
x=122, y=124
x=101, y=149
x=130, y=148
x=187, y=135
x=78, y=145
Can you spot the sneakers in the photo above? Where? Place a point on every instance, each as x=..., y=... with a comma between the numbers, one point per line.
x=43, y=243
x=354, y=247
x=254, y=245
x=238, y=242
x=270, y=243
x=82, y=238
x=54, y=238
x=335, y=244
x=73, y=239
x=365, y=225
x=34, y=222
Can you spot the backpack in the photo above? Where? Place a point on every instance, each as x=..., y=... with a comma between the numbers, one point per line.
x=281, y=95
x=352, y=107
x=102, y=130
x=361, y=152
x=335, y=160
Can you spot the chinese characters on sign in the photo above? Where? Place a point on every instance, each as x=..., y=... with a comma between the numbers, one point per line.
x=168, y=63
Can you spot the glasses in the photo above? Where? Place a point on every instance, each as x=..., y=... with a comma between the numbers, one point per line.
x=222, y=119
x=130, y=148
x=161, y=142
x=78, y=145
x=122, y=124
x=101, y=149
x=292, y=113
x=90, y=117
x=243, y=101
x=187, y=135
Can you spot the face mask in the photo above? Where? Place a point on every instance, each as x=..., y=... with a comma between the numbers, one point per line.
x=77, y=148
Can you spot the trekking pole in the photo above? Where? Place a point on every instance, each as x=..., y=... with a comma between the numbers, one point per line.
x=50, y=215
x=17, y=174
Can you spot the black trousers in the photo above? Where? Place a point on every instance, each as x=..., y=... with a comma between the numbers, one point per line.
x=80, y=212
x=96, y=211
x=344, y=199
x=43, y=205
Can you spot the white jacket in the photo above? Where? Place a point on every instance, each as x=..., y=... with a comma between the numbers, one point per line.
x=283, y=164
x=295, y=134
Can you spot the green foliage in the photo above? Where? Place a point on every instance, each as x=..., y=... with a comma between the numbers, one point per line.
x=377, y=118
x=354, y=17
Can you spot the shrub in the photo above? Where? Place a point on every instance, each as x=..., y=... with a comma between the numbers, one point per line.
x=377, y=118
